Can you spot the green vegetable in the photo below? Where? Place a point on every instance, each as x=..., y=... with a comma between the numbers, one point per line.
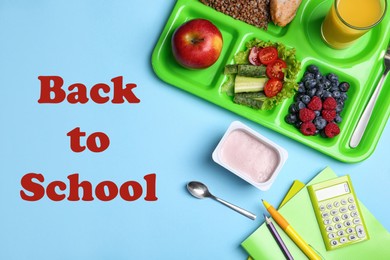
x=230, y=69
x=228, y=86
x=251, y=71
x=293, y=67
x=246, y=70
x=248, y=84
x=251, y=99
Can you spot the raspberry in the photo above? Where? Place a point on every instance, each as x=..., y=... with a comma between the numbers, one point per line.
x=306, y=115
x=315, y=103
x=308, y=128
x=331, y=130
x=329, y=103
x=328, y=115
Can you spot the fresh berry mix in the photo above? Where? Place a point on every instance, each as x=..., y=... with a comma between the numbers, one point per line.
x=318, y=103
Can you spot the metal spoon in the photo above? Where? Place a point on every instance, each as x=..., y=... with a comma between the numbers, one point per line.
x=200, y=191
x=365, y=118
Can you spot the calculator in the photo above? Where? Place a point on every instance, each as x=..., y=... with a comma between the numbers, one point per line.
x=338, y=213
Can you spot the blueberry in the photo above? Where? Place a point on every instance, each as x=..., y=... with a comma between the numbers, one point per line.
x=291, y=119
x=293, y=108
x=319, y=122
x=298, y=124
x=332, y=77
x=310, y=83
x=300, y=105
x=326, y=94
x=334, y=88
x=301, y=89
x=322, y=133
x=305, y=99
x=319, y=92
x=308, y=76
x=326, y=83
x=338, y=119
x=317, y=113
x=312, y=69
x=344, y=86
x=343, y=96
x=312, y=92
x=320, y=85
x=336, y=94
x=318, y=76
x=339, y=108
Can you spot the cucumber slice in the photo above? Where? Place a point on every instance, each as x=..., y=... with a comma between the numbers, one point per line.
x=251, y=71
x=230, y=69
x=248, y=84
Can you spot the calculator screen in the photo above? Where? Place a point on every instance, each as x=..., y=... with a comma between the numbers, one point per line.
x=333, y=191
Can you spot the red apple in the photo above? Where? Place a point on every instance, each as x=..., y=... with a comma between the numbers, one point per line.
x=197, y=44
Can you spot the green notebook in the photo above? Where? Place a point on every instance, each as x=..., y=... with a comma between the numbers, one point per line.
x=299, y=213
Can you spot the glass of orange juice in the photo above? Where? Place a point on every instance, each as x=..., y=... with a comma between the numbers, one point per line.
x=347, y=20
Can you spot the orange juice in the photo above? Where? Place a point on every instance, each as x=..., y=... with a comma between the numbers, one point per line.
x=347, y=20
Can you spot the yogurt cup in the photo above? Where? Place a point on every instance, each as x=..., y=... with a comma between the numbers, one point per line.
x=250, y=155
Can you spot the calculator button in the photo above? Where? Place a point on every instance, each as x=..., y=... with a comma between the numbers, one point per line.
x=343, y=210
x=327, y=221
x=332, y=235
x=352, y=207
x=341, y=233
x=354, y=214
x=350, y=200
x=343, y=240
x=336, y=204
x=322, y=207
x=336, y=219
x=334, y=242
x=347, y=223
x=334, y=212
x=339, y=226
x=345, y=216
x=360, y=231
x=329, y=228
x=352, y=237
x=350, y=230
x=329, y=206
x=343, y=202
x=356, y=221
x=325, y=215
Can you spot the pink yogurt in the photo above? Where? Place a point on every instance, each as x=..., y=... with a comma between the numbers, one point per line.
x=249, y=155
x=246, y=154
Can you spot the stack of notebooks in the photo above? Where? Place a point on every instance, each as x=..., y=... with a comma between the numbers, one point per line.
x=298, y=211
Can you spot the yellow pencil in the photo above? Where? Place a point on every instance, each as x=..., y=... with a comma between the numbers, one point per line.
x=306, y=249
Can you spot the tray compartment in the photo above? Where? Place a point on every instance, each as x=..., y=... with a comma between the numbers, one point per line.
x=362, y=50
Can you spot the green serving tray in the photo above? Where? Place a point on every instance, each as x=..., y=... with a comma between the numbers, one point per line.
x=361, y=65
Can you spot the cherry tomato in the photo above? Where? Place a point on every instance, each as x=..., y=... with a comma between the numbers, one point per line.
x=272, y=87
x=274, y=70
x=268, y=55
x=253, y=56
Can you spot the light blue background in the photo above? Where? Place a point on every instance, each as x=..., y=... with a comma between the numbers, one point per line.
x=170, y=133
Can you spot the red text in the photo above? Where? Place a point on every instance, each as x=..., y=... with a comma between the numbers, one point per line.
x=34, y=190
x=52, y=92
